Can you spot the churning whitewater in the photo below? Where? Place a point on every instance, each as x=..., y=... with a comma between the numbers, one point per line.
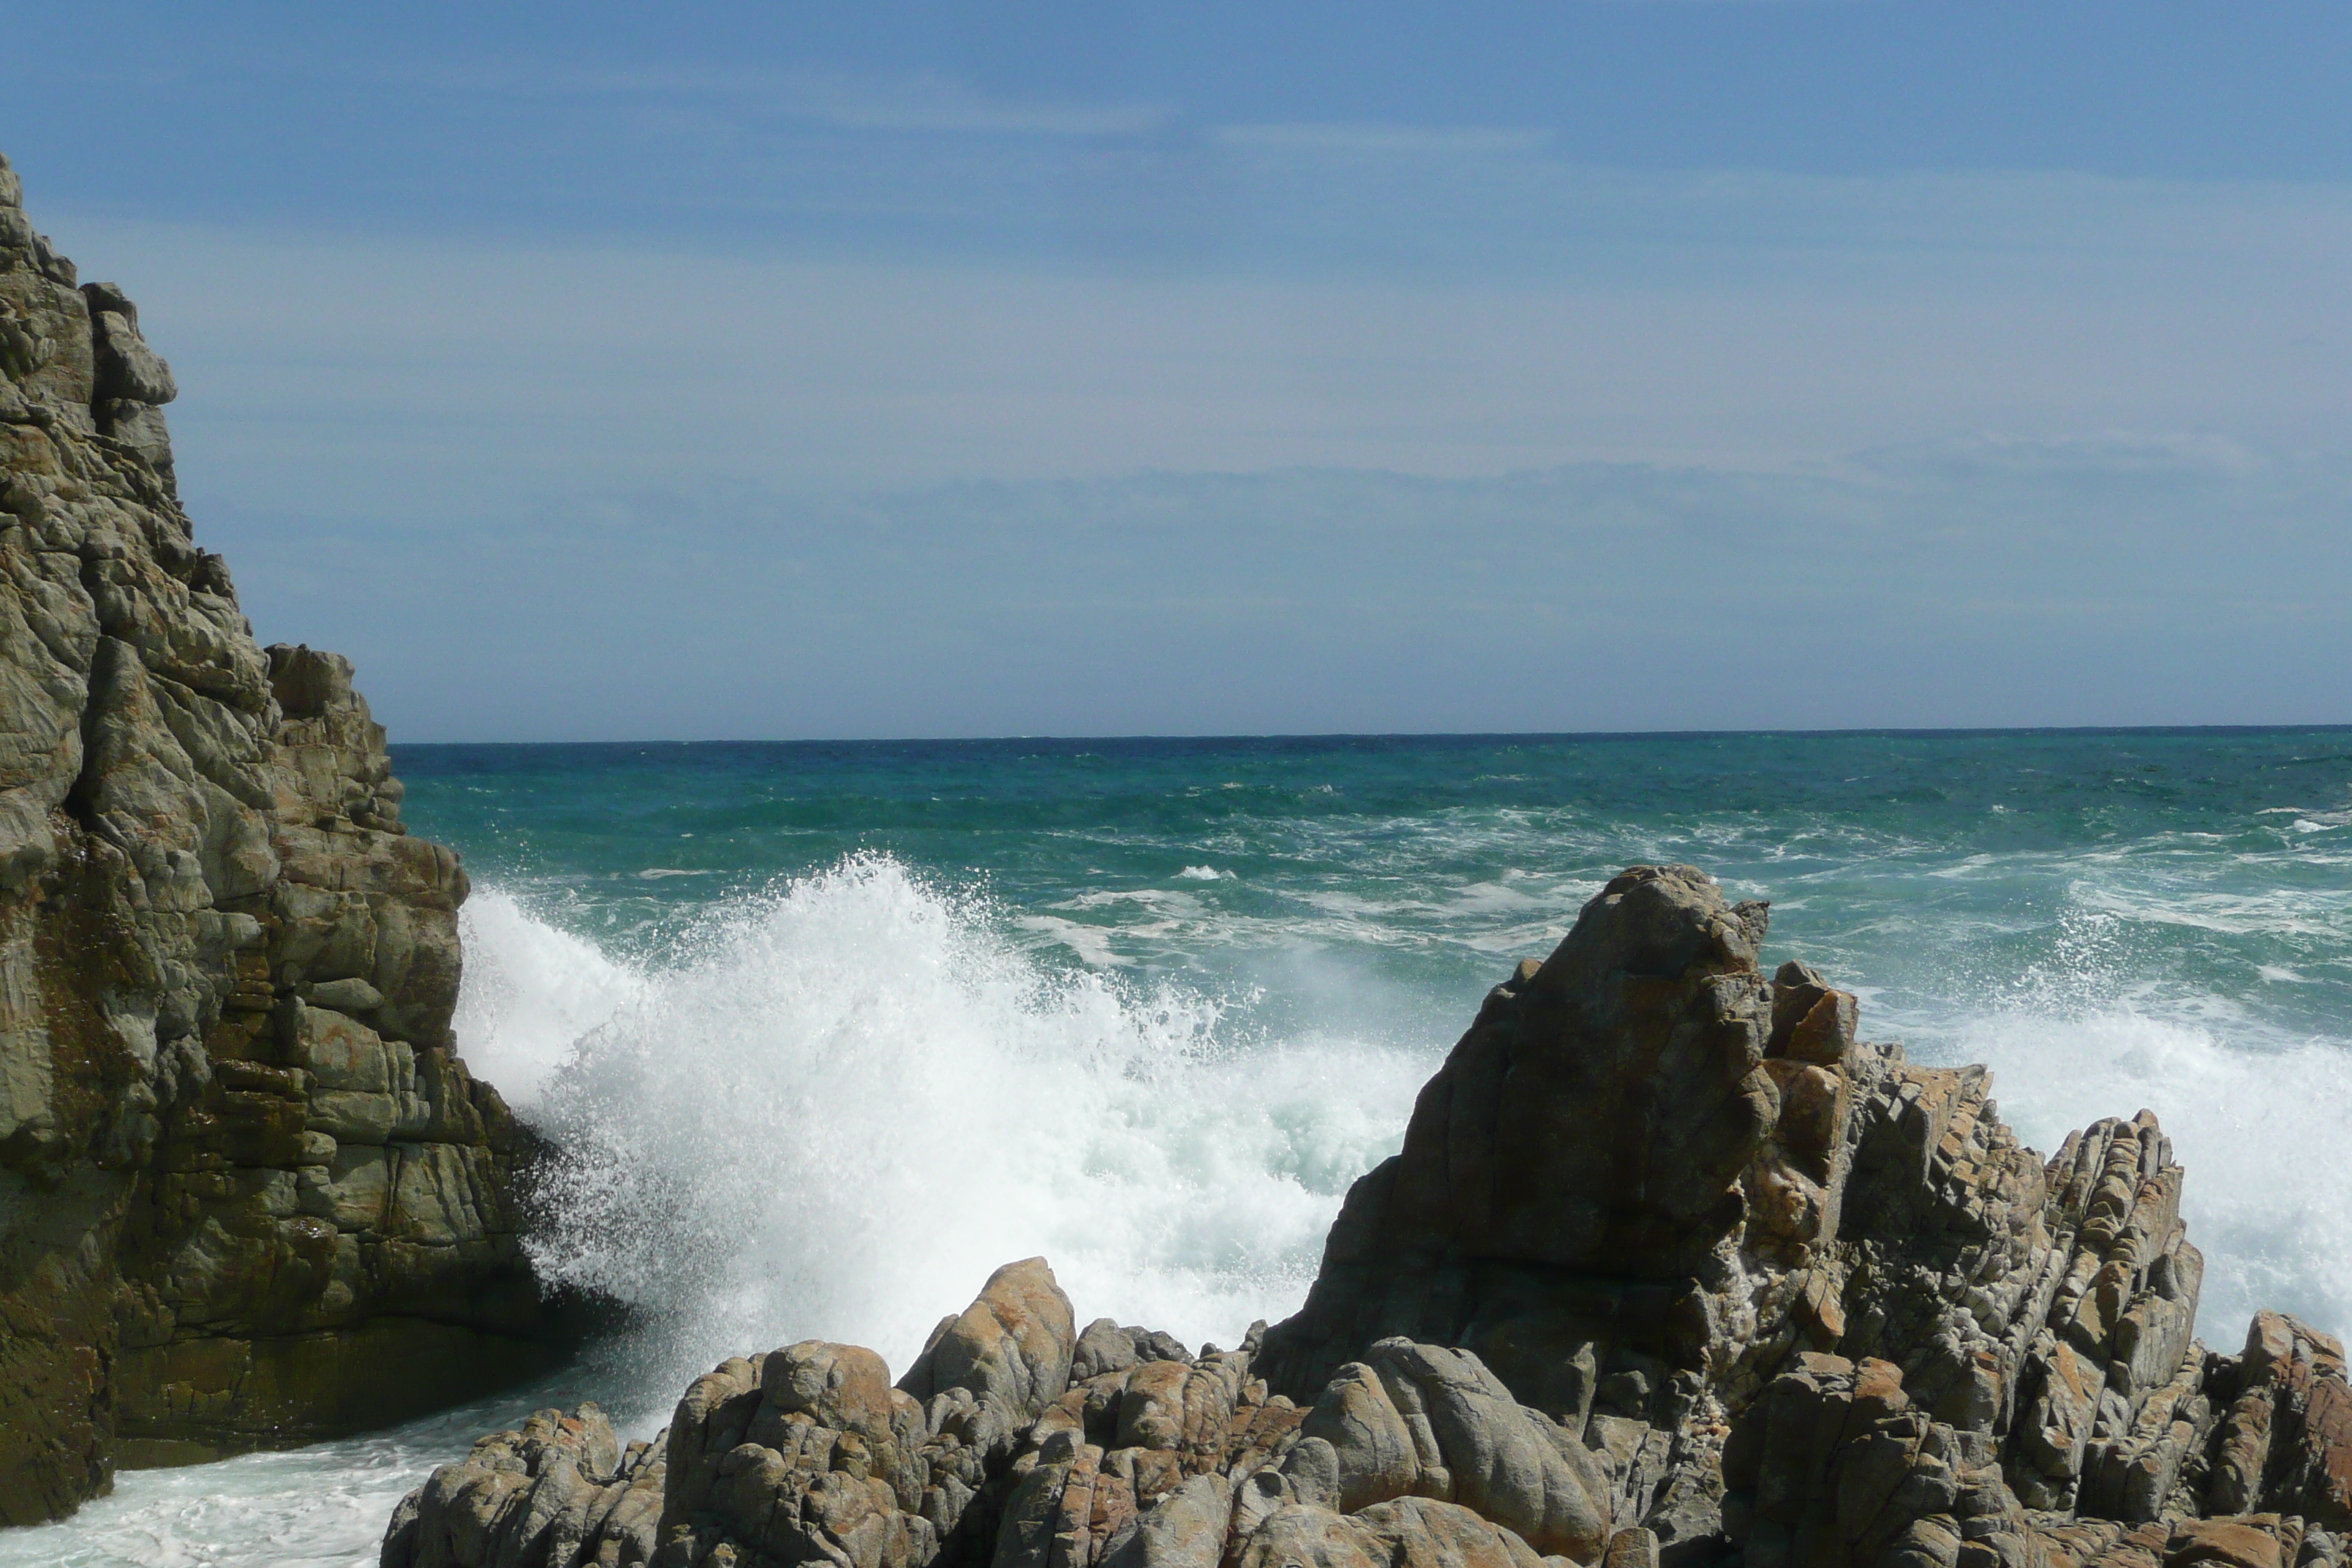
x=844, y=1098
x=825, y=1033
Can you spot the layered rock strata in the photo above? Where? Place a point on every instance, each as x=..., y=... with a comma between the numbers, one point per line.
x=1673, y=1268
x=249, y=1193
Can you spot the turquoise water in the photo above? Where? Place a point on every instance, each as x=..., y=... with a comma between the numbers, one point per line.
x=830, y=1030
x=1924, y=863
x=1283, y=935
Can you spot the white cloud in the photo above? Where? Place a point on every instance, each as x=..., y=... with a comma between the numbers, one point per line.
x=383, y=371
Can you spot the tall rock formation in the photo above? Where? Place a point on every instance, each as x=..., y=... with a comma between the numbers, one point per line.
x=1673, y=1269
x=249, y=1193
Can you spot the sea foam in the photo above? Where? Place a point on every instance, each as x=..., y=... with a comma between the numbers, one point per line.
x=2259, y=1125
x=530, y=992
x=838, y=1105
x=834, y=1106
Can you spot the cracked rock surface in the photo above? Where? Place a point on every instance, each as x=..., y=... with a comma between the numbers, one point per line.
x=249, y=1194
x=1674, y=1268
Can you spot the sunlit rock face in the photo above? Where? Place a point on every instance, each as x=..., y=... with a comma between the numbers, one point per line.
x=249, y=1193
x=1674, y=1268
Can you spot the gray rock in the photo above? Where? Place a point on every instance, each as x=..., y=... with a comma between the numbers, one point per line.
x=1504, y=1461
x=1411, y=1532
x=1638, y=1109
x=1187, y=1529
x=183, y=854
x=125, y=366
x=351, y=995
x=1373, y=1455
x=1105, y=1347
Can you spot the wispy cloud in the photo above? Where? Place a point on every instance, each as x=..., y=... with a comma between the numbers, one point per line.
x=2111, y=455
x=923, y=101
x=1597, y=595
x=1385, y=139
x=1704, y=345
x=867, y=496
x=929, y=101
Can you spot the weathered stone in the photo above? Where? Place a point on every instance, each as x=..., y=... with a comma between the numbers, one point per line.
x=1411, y=1532
x=1014, y=1346
x=1504, y=1461
x=1597, y=1120
x=558, y=1493
x=1373, y=1455
x=1104, y=1346
x=189, y=1263
x=1675, y=1269
x=2284, y=1443
x=1187, y=1529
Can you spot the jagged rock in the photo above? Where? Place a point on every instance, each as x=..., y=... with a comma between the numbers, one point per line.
x=248, y=1194
x=123, y=368
x=560, y=1491
x=808, y=1452
x=2283, y=1444
x=1595, y=1126
x=1674, y=1268
x=1104, y=1346
x=1185, y=1529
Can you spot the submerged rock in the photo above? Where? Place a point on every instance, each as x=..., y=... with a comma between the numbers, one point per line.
x=249, y=1196
x=1674, y=1268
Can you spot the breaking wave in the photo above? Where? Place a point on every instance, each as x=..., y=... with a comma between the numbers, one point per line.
x=834, y=1107
x=830, y=1108
x=530, y=992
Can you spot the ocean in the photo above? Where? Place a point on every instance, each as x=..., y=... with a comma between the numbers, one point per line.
x=828, y=1031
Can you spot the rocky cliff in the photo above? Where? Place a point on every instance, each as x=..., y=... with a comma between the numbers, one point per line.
x=248, y=1194
x=1674, y=1268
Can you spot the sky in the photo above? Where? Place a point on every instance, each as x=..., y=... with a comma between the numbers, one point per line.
x=773, y=371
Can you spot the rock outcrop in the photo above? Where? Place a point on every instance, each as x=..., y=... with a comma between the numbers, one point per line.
x=249, y=1193
x=1674, y=1268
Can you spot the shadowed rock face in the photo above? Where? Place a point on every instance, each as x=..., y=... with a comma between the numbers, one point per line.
x=1673, y=1268
x=1601, y=1118
x=249, y=1193
x=1590, y=1134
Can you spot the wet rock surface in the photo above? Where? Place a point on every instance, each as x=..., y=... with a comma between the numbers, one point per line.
x=249, y=1194
x=1674, y=1268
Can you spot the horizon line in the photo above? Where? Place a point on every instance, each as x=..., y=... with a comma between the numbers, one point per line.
x=1920, y=731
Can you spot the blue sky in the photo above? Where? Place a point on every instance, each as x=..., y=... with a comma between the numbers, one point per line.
x=782, y=370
